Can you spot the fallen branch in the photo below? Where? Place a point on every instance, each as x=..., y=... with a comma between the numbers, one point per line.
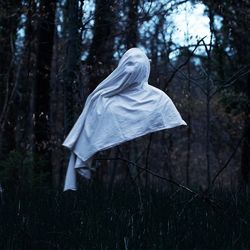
x=203, y=196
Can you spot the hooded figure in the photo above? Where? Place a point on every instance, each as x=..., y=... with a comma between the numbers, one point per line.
x=122, y=107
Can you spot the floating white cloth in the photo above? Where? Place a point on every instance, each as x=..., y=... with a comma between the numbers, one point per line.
x=122, y=107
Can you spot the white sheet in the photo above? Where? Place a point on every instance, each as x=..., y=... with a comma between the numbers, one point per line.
x=122, y=107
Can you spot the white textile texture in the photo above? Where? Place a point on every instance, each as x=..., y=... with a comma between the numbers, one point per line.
x=122, y=107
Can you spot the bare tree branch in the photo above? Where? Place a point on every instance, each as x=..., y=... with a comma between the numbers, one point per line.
x=232, y=80
x=228, y=161
x=7, y=99
x=183, y=64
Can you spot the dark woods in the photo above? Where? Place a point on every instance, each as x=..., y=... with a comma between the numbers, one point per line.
x=54, y=53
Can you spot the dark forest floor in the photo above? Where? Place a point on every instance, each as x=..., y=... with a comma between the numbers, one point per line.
x=92, y=218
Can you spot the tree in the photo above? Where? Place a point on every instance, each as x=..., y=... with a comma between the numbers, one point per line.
x=45, y=37
x=102, y=47
x=236, y=37
x=9, y=20
x=65, y=81
x=132, y=26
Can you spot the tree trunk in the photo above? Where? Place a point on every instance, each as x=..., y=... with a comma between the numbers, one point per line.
x=8, y=31
x=26, y=79
x=46, y=27
x=102, y=46
x=132, y=30
x=71, y=65
x=245, y=153
x=64, y=84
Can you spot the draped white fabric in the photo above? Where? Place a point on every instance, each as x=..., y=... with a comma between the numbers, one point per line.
x=122, y=107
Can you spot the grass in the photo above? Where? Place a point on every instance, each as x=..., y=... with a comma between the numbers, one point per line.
x=41, y=218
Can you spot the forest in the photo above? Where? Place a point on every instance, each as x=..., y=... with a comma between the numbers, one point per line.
x=180, y=188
